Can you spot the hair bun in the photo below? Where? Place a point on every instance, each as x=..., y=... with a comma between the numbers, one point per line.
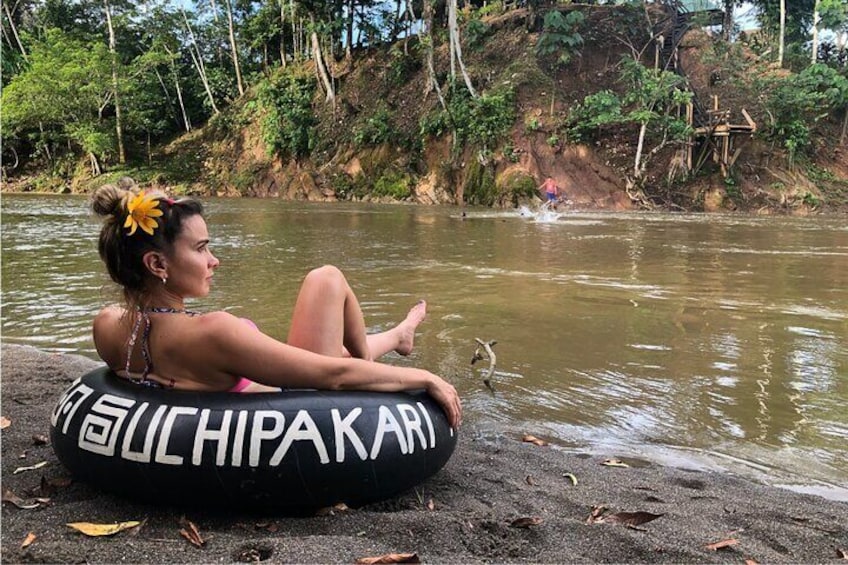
x=108, y=200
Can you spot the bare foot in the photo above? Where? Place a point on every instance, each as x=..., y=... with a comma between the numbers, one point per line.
x=406, y=329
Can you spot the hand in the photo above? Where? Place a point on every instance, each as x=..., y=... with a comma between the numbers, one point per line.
x=445, y=394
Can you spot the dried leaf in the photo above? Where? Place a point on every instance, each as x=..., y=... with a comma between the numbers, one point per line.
x=615, y=463
x=5, y=422
x=572, y=477
x=842, y=553
x=526, y=522
x=30, y=537
x=630, y=518
x=40, y=439
x=722, y=544
x=191, y=533
x=30, y=468
x=534, y=440
x=529, y=480
x=389, y=558
x=9, y=496
x=431, y=505
x=595, y=514
x=331, y=510
x=135, y=531
x=96, y=530
x=23, y=455
x=751, y=562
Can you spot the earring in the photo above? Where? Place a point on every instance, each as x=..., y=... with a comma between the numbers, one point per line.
x=164, y=280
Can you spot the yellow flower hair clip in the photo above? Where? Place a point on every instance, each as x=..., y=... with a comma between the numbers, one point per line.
x=141, y=212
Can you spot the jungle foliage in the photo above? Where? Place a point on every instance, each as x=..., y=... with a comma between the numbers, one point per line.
x=81, y=79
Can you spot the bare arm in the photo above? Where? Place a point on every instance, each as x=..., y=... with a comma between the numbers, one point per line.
x=265, y=360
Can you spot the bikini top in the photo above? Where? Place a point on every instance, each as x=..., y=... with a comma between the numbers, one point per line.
x=144, y=317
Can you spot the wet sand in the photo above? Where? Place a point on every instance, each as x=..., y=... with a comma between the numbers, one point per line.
x=464, y=514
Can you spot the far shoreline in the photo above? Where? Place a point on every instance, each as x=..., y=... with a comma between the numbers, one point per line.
x=769, y=212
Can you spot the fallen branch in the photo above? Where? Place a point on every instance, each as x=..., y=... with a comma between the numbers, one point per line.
x=490, y=355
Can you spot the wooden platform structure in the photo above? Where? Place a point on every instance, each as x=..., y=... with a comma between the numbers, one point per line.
x=719, y=133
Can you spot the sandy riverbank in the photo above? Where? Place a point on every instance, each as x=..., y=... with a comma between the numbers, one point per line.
x=492, y=480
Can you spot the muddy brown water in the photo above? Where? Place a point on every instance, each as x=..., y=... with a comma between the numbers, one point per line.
x=710, y=342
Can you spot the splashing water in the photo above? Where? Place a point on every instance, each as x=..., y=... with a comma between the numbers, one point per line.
x=541, y=215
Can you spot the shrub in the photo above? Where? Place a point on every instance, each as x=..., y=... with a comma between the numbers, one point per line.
x=796, y=103
x=480, y=187
x=518, y=186
x=288, y=122
x=375, y=131
x=596, y=110
x=403, y=65
x=394, y=184
x=475, y=32
x=482, y=120
x=560, y=36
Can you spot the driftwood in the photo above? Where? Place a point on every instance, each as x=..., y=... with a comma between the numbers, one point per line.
x=486, y=346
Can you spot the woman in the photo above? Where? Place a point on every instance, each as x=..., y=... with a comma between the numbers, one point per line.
x=157, y=249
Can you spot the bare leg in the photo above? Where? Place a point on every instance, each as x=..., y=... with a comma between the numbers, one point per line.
x=400, y=338
x=327, y=318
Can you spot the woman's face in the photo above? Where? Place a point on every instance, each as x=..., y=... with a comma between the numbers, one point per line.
x=191, y=263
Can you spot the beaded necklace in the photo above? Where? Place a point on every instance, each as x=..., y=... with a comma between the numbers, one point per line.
x=144, y=316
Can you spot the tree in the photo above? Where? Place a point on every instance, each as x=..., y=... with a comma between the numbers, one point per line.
x=61, y=96
x=781, y=45
x=320, y=64
x=456, y=48
x=122, y=156
x=234, y=46
x=13, y=31
x=197, y=59
x=653, y=97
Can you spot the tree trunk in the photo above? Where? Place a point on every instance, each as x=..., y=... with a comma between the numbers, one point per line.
x=426, y=39
x=295, y=36
x=844, y=135
x=349, y=31
x=167, y=96
x=197, y=59
x=782, y=32
x=320, y=67
x=46, y=144
x=409, y=18
x=14, y=31
x=727, y=21
x=95, y=165
x=176, y=76
x=815, y=45
x=122, y=156
x=396, y=24
x=637, y=170
x=282, y=33
x=456, y=48
x=233, y=47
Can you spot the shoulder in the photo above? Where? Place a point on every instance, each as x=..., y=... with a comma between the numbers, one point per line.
x=106, y=330
x=110, y=313
x=216, y=320
x=106, y=321
x=219, y=327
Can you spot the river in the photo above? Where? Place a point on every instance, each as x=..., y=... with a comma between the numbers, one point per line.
x=701, y=341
